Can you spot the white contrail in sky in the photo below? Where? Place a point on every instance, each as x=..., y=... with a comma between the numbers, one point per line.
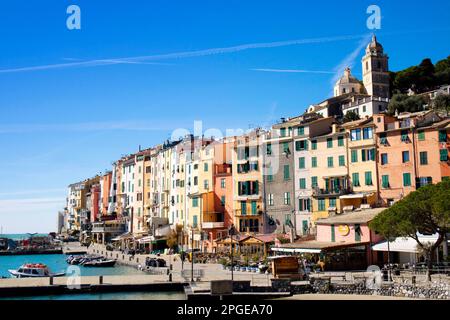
x=180, y=55
x=293, y=71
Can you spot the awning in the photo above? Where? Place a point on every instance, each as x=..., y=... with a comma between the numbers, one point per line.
x=147, y=239
x=408, y=245
x=356, y=196
x=298, y=250
x=123, y=236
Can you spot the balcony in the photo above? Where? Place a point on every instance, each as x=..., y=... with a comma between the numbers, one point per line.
x=213, y=225
x=338, y=191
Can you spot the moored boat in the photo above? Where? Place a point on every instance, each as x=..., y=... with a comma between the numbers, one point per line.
x=34, y=270
x=100, y=263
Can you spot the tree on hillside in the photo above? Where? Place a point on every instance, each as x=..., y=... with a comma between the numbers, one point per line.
x=404, y=103
x=442, y=71
x=425, y=211
x=442, y=103
x=351, y=116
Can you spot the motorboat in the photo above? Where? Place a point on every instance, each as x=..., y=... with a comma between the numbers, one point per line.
x=34, y=270
x=100, y=263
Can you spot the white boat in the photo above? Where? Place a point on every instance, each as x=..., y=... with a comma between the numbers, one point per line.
x=34, y=270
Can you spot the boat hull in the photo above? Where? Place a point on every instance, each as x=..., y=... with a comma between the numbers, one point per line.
x=16, y=274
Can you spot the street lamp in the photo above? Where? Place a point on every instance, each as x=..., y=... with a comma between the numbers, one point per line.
x=232, y=231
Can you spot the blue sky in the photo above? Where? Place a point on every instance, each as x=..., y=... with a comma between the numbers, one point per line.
x=63, y=123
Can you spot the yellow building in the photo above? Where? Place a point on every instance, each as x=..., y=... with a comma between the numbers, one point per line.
x=248, y=183
x=362, y=163
x=329, y=172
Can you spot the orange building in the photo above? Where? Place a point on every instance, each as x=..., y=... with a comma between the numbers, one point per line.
x=412, y=152
x=105, y=188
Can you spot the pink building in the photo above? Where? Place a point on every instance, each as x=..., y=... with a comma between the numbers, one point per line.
x=344, y=242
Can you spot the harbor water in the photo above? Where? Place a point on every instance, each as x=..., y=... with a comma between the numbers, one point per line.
x=108, y=296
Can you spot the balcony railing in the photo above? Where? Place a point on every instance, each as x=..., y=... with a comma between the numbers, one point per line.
x=338, y=191
x=212, y=225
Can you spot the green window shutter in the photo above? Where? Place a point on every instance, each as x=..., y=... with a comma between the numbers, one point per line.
x=385, y=181
x=355, y=179
x=285, y=147
x=313, y=182
x=283, y=132
x=301, y=131
x=314, y=144
x=300, y=205
x=330, y=162
x=286, y=172
x=424, y=158
x=443, y=154
x=421, y=135
x=194, y=221
x=222, y=200
x=302, y=183
x=368, y=176
x=442, y=136
x=332, y=202
x=243, y=208
x=306, y=144
x=333, y=234
x=254, y=209
x=354, y=156
x=340, y=141
x=314, y=162
x=407, y=179
x=321, y=204
x=301, y=163
x=330, y=143
x=341, y=161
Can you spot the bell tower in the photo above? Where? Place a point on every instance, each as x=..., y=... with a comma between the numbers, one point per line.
x=376, y=70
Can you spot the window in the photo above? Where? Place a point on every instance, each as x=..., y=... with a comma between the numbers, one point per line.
x=368, y=155
x=405, y=156
x=330, y=162
x=194, y=202
x=269, y=149
x=364, y=108
x=421, y=135
x=384, y=158
x=302, y=183
x=423, y=158
x=270, y=199
x=442, y=136
x=205, y=167
x=443, y=154
x=301, y=163
x=368, y=176
x=313, y=182
x=407, y=179
x=423, y=181
x=355, y=135
x=355, y=179
x=301, y=145
x=314, y=162
x=254, y=207
x=367, y=133
x=287, y=198
x=269, y=174
x=205, y=184
x=404, y=136
x=300, y=131
x=314, y=144
x=194, y=221
x=383, y=139
x=341, y=161
x=222, y=183
x=330, y=143
x=243, y=208
x=354, y=156
x=286, y=172
x=332, y=202
x=385, y=181
x=195, y=181
x=321, y=204
x=283, y=132
x=340, y=141
x=333, y=233
x=357, y=233
x=285, y=147
x=304, y=205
